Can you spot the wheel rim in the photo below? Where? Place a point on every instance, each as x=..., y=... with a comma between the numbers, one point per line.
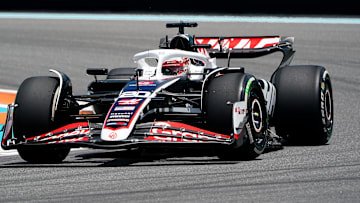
x=328, y=105
x=256, y=115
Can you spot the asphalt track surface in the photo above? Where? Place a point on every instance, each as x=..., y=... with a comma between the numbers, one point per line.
x=329, y=173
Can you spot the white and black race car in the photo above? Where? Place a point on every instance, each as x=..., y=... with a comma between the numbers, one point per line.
x=176, y=97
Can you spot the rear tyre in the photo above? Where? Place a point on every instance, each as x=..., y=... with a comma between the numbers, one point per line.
x=304, y=105
x=221, y=93
x=35, y=101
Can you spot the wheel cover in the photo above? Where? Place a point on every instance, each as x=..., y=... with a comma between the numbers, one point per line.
x=256, y=115
x=257, y=123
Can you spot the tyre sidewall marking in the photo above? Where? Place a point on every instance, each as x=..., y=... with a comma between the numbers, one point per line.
x=326, y=117
x=257, y=148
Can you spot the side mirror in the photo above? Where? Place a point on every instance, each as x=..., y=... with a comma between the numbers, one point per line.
x=97, y=71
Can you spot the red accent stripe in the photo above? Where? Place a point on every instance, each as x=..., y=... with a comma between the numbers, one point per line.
x=79, y=139
x=232, y=42
x=66, y=127
x=189, y=127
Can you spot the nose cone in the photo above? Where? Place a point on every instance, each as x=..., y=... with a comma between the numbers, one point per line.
x=115, y=135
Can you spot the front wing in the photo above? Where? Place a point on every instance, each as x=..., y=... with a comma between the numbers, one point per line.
x=85, y=134
x=159, y=133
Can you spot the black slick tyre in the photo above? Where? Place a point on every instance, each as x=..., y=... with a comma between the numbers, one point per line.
x=304, y=105
x=35, y=102
x=221, y=93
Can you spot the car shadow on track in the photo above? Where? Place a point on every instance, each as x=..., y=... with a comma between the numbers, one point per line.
x=147, y=158
x=165, y=157
x=133, y=158
x=129, y=158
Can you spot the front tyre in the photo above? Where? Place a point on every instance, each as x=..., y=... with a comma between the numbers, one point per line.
x=35, y=115
x=221, y=94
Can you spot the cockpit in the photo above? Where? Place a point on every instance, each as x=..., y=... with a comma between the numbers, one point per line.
x=169, y=63
x=175, y=67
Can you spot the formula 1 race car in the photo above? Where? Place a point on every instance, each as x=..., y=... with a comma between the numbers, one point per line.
x=176, y=97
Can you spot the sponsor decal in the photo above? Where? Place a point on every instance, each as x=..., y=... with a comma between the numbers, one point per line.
x=239, y=110
x=326, y=106
x=116, y=123
x=113, y=135
x=124, y=108
x=80, y=139
x=65, y=128
x=118, y=120
x=127, y=94
x=219, y=74
x=111, y=123
x=129, y=101
x=322, y=105
x=122, y=112
x=121, y=123
x=239, y=118
x=120, y=115
x=144, y=83
x=64, y=135
x=185, y=136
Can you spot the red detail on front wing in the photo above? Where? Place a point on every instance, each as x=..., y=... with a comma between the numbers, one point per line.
x=79, y=139
x=160, y=131
x=64, y=132
x=166, y=130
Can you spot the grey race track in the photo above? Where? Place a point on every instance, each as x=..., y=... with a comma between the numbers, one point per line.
x=329, y=173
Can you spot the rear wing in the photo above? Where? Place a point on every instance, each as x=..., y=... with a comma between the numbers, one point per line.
x=246, y=47
x=229, y=47
x=237, y=44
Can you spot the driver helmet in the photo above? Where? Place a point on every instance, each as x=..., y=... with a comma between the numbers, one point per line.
x=175, y=67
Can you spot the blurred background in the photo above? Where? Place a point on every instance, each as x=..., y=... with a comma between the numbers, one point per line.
x=308, y=7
